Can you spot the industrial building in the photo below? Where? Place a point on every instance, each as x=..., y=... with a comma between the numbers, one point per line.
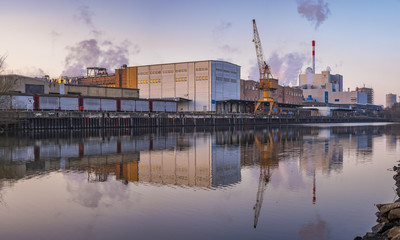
x=369, y=92
x=196, y=85
x=324, y=80
x=327, y=88
x=29, y=85
x=391, y=99
x=250, y=91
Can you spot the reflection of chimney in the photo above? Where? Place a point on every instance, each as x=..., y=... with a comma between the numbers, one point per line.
x=313, y=56
x=314, y=199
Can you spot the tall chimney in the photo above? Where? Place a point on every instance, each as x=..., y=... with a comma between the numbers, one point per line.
x=313, y=56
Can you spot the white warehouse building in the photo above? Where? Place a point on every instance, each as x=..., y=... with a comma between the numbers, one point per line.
x=202, y=83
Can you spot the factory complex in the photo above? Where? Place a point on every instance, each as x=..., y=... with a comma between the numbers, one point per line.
x=210, y=86
x=201, y=86
x=196, y=85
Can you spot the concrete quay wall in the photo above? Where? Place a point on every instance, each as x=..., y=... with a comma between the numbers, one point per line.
x=86, y=120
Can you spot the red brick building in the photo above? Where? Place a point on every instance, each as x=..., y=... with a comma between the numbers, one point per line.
x=249, y=91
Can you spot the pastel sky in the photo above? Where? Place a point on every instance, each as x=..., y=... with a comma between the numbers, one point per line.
x=358, y=39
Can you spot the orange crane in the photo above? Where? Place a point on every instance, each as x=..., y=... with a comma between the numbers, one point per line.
x=267, y=83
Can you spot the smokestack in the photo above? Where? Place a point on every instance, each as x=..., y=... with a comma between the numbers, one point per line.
x=313, y=56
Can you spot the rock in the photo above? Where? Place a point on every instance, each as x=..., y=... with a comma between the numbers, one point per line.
x=393, y=232
x=358, y=238
x=371, y=236
x=397, y=237
x=378, y=228
x=396, y=177
x=384, y=208
x=382, y=219
x=394, y=214
x=382, y=227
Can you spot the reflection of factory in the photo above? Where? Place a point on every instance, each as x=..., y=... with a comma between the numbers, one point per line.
x=169, y=159
x=323, y=149
x=197, y=162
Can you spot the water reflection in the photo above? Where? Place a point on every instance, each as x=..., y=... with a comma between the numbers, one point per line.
x=207, y=158
x=285, y=162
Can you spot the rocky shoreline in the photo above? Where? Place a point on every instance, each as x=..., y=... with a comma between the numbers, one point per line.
x=388, y=226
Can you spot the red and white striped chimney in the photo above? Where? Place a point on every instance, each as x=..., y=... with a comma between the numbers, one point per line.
x=313, y=56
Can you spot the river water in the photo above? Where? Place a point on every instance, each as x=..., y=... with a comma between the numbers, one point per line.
x=280, y=182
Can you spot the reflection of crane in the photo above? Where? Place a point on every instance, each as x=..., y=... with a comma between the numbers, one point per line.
x=267, y=82
x=267, y=159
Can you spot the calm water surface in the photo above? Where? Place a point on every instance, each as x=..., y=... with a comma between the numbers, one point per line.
x=288, y=182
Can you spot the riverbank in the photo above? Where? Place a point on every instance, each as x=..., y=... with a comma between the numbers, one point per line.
x=38, y=120
x=388, y=226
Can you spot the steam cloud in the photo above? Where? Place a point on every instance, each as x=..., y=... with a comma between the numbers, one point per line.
x=91, y=53
x=95, y=52
x=286, y=68
x=315, y=11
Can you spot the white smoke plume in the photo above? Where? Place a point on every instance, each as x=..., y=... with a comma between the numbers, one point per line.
x=310, y=74
x=315, y=11
x=286, y=68
x=85, y=14
x=95, y=52
x=91, y=53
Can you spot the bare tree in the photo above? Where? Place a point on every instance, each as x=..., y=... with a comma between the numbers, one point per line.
x=2, y=61
x=5, y=85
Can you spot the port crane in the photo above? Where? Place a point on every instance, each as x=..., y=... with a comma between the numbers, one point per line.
x=267, y=82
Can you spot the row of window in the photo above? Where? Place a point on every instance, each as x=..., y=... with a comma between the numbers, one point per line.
x=151, y=81
x=200, y=78
x=225, y=79
x=143, y=81
x=171, y=71
x=292, y=102
x=294, y=94
x=147, y=73
x=223, y=70
x=181, y=79
x=250, y=88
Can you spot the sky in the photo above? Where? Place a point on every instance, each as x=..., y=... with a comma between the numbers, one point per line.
x=358, y=39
